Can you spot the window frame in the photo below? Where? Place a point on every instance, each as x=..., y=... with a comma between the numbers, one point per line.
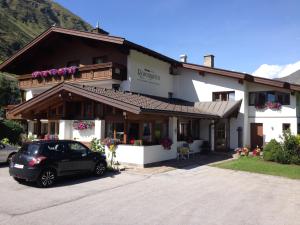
x=220, y=93
x=261, y=97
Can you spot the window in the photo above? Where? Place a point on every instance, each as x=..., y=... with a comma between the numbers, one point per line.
x=87, y=110
x=260, y=98
x=286, y=126
x=195, y=129
x=35, y=128
x=98, y=110
x=99, y=59
x=298, y=128
x=133, y=131
x=223, y=96
x=55, y=147
x=114, y=130
x=73, y=63
x=147, y=131
x=77, y=148
x=184, y=130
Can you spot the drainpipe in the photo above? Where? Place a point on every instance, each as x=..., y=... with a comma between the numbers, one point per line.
x=209, y=136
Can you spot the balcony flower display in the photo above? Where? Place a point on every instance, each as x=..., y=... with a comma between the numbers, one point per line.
x=269, y=105
x=36, y=74
x=54, y=72
x=83, y=124
x=273, y=105
x=166, y=143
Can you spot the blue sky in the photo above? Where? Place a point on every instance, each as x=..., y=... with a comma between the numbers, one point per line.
x=242, y=34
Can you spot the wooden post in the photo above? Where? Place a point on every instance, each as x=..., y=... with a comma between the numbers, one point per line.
x=39, y=127
x=125, y=132
x=140, y=130
x=115, y=131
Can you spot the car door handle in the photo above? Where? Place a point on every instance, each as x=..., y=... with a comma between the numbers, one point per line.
x=65, y=160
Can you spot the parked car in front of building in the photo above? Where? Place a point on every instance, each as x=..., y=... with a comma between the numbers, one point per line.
x=7, y=152
x=44, y=161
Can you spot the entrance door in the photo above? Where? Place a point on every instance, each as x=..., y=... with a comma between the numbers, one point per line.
x=257, y=138
x=220, y=137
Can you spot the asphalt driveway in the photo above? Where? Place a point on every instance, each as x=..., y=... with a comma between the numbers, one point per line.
x=199, y=195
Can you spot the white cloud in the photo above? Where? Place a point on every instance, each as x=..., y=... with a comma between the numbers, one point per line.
x=276, y=71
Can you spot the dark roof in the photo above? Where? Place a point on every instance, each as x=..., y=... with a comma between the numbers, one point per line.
x=85, y=34
x=242, y=76
x=122, y=41
x=223, y=108
x=136, y=103
x=293, y=78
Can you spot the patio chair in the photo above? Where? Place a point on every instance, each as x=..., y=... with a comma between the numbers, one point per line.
x=183, y=151
x=187, y=145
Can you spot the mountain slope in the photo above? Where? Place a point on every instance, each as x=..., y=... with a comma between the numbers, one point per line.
x=22, y=20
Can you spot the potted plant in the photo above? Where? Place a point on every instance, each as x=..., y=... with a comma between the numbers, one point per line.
x=166, y=143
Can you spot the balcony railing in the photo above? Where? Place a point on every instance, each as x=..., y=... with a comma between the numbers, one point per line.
x=96, y=72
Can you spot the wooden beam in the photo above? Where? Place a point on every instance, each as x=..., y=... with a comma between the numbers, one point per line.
x=125, y=132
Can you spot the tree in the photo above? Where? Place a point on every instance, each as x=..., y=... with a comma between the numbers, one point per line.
x=9, y=93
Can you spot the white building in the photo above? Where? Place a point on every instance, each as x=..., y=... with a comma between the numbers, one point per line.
x=156, y=97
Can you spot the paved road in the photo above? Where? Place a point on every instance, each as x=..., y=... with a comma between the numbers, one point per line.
x=200, y=195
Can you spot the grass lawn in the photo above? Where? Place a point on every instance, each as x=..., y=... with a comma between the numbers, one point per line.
x=257, y=165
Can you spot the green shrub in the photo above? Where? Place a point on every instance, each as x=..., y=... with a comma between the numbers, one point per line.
x=97, y=146
x=5, y=141
x=11, y=130
x=272, y=150
x=291, y=147
x=286, y=152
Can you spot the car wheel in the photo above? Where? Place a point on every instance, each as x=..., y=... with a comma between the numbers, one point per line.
x=9, y=158
x=47, y=178
x=100, y=169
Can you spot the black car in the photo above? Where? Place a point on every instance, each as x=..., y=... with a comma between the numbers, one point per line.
x=44, y=161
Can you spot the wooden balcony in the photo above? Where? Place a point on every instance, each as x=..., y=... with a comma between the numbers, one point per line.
x=96, y=72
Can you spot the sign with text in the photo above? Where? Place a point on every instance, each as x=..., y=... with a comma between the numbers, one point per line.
x=148, y=76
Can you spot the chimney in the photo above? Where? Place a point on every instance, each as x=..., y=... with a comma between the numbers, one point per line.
x=183, y=58
x=98, y=30
x=209, y=61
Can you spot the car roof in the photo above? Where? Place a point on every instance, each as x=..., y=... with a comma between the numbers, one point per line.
x=49, y=141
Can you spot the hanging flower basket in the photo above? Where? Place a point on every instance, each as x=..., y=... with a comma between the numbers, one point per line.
x=55, y=72
x=83, y=124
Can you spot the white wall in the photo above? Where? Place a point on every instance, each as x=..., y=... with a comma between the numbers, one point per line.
x=272, y=120
x=197, y=88
x=159, y=86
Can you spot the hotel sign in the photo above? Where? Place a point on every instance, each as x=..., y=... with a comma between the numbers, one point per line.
x=148, y=76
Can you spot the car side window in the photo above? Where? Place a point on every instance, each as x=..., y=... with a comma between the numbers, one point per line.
x=77, y=148
x=55, y=147
x=2, y=146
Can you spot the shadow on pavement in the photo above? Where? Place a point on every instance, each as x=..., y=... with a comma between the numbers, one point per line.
x=3, y=165
x=195, y=160
x=76, y=179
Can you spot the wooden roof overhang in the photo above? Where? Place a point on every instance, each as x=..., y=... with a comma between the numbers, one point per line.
x=133, y=103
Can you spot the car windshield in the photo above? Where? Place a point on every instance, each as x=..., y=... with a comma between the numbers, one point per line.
x=30, y=149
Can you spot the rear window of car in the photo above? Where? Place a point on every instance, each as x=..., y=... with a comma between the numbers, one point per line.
x=30, y=149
